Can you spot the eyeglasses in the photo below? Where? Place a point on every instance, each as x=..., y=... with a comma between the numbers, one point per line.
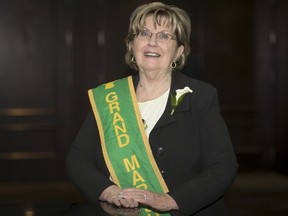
x=161, y=37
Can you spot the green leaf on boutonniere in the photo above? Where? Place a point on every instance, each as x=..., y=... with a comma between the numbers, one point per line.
x=173, y=103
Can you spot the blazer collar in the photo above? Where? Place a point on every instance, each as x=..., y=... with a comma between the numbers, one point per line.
x=179, y=81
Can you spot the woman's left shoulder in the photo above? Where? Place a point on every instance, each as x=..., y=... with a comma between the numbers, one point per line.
x=198, y=87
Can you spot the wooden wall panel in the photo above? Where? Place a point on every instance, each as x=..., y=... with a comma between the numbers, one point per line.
x=29, y=127
x=281, y=143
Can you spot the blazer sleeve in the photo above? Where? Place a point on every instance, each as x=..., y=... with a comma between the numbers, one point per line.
x=83, y=162
x=219, y=165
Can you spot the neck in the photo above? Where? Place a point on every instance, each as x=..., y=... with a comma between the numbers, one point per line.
x=152, y=87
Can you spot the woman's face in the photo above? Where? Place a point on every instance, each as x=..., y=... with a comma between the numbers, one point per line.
x=154, y=55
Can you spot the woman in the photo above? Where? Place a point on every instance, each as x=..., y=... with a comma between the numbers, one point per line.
x=189, y=155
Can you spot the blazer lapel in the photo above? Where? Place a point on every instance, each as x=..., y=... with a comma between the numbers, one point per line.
x=178, y=82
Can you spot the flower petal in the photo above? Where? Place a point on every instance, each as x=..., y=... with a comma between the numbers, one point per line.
x=180, y=92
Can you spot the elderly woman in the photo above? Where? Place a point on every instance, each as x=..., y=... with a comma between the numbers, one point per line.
x=156, y=140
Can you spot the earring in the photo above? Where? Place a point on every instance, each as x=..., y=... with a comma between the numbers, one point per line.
x=173, y=65
x=133, y=60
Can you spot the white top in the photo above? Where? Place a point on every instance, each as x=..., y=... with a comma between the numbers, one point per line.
x=152, y=110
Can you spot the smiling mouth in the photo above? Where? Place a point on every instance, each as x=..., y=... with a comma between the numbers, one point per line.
x=151, y=54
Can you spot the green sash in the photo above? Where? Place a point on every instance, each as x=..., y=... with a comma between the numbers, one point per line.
x=124, y=141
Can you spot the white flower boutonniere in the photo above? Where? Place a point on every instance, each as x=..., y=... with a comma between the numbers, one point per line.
x=178, y=98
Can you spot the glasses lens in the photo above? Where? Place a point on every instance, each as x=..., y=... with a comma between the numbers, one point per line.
x=143, y=35
x=163, y=37
x=160, y=36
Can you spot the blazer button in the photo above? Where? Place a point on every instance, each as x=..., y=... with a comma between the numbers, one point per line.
x=163, y=174
x=160, y=151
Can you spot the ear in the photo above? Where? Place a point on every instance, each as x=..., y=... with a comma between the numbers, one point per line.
x=179, y=52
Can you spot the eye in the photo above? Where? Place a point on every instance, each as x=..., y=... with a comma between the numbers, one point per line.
x=144, y=33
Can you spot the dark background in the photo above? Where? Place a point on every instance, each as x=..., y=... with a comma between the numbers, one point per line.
x=53, y=51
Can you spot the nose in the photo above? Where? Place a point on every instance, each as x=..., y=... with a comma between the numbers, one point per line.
x=152, y=40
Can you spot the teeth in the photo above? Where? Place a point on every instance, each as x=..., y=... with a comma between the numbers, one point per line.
x=151, y=54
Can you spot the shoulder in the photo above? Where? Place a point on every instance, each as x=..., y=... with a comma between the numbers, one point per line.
x=201, y=89
x=204, y=97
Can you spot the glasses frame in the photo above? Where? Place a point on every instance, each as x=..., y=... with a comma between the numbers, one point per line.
x=149, y=36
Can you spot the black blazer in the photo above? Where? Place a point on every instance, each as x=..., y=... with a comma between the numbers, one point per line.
x=192, y=149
